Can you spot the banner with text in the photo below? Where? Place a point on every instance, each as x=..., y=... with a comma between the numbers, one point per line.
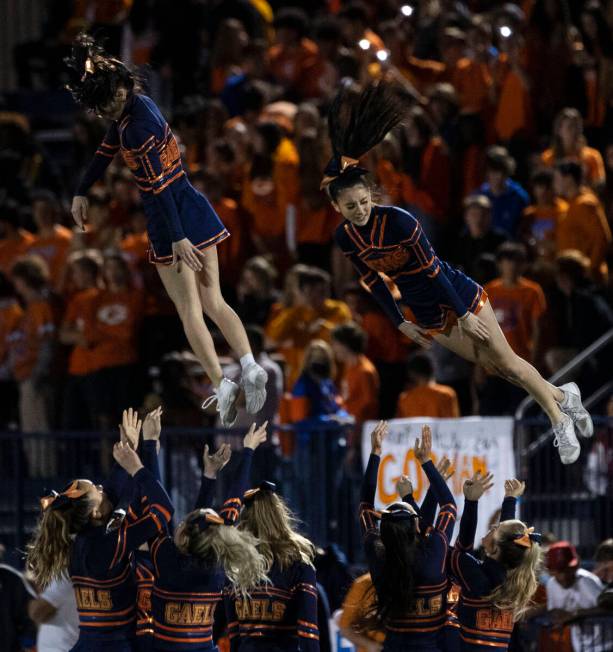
x=472, y=444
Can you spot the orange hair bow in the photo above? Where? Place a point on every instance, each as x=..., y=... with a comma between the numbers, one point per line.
x=346, y=162
x=59, y=499
x=527, y=538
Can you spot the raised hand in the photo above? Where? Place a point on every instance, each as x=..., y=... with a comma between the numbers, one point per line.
x=478, y=485
x=404, y=486
x=215, y=462
x=152, y=425
x=127, y=457
x=79, y=210
x=377, y=436
x=423, y=447
x=255, y=436
x=514, y=488
x=129, y=428
x=445, y=468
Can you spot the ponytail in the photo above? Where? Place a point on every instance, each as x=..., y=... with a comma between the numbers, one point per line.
x=521, y=555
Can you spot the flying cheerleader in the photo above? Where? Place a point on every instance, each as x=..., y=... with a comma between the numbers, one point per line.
x=183, y=228
x=449, y=307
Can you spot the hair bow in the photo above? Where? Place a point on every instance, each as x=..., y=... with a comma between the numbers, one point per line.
x=338, y=166
x=250, y=494
x=398, y=512
x=56, y=500
x=527, y=538
x=206, y=518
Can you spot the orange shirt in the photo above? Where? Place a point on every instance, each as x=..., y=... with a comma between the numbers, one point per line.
x=541, y=221
x=356, y=605
x=316, y=226
x=431, y=400
x=10, y=316
x=113, y=335
x=80, y=315
x=385, y=342
x=360, y=389
x=232, y=252
x=423, y=73
x=35, y=326
x=514, y=111
x=136, y=248
x=590, y=159
x=54, y=250
x=296, y=67
x=11, y=250
x=473, y=81
x=585, y=227
x=516, y=309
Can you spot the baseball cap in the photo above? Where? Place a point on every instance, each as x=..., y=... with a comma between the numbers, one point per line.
x=561, y=555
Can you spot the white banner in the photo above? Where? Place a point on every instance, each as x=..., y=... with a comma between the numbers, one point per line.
x=472, y=444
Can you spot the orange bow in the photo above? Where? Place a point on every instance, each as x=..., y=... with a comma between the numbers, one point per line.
x=524, y=540
x=73, y=491
x=346, y=162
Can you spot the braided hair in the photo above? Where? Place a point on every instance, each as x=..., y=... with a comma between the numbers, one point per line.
x=357, y=121
x=94, y=76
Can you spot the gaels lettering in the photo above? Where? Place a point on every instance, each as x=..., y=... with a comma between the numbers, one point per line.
x=144, y=600
x=428, y=606
x=264, y=609
x=495, y=619
x=93, y=598
x=176, y=613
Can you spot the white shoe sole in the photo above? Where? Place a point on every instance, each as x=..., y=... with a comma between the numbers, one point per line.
x=585, y=425
x=571, y=460
x=255, y=392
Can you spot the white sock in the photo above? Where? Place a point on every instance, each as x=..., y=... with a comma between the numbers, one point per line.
x=246, y=360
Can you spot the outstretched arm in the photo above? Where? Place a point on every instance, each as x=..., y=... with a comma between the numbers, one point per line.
x=212, y=465
x=102, y=159
x=513, y=490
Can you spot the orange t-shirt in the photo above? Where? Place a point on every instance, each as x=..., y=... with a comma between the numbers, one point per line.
x=360, y=389
x=423, y=73
x=10, y=316
x=54, y=250
x=473, y=81
x=11, y=250
x=357, y=603
x=35, y=326
x=431, y=400
x=296, y=67
x=80, y=315
x=385, y=342
x=516, y=309
x=541, y=221
x=590, y=159
x=316, y=226
x=514, y=111
x=232, y=251
x=585, y=227
x=113, y=335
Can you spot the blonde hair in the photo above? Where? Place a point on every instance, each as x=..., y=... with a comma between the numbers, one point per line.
x=236, y=551
x=48, y=553
x=522, y=565
x=269, y=519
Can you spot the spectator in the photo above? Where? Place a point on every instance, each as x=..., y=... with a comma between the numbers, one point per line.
x=18, y=631
x=14, y=240
x=604, y=562
x=355, y=25
x=52, y=240
x=359, y=379
x=478, y=237
x=256, y=292
x=358, y=602
x=227, y=53
x=11, y=315
x=55, y=613
x=508, y=198
x=569, y=144
x=426, y=398
x=584, y=227
x=312, y=315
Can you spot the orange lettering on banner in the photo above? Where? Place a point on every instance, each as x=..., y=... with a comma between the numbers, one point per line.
x=384, y=496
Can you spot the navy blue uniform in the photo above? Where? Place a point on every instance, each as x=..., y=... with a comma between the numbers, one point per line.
x=279, y=617
x=187, y=590
x=100, y=567
x=173, y=207
x=393, y=243
x=421, y=629
x=482, y=626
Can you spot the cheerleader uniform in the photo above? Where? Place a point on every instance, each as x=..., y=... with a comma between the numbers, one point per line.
x=174, y=208
x=186, y=592
x=483, y=627
x=392, y=242
x=421, y=629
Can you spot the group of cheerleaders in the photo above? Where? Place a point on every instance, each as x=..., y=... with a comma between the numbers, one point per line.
x=142, y=585
x=248, y=555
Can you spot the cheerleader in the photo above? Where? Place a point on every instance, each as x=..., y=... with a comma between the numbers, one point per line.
x=282, y=614
x=449, y=307
x=72, y=536
x=407, y=565
x=206, y=553
x=497, y=591
x=182, y=226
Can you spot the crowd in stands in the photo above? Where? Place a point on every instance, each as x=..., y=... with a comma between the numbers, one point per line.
x=506, y=159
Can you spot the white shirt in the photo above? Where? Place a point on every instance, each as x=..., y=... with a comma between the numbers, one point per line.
x=59, y=633
x=583, y=594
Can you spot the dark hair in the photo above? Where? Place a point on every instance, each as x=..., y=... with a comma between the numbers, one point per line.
x=312, y=276
x=6, y=287
x=33, y=271
x=327, y=28
x=47, y=197
x=498, y=158
x=420, y=365
x=571, y=169
x=351, y=336
x=511, y=251
x=354, y=11
x=357, y=121
x=574, y=264
x=94, y=76
x=604, y=552
x=224, y=150
x=292, y=18
x=254, y=96
x=10, y=213
x=255, y=335
x=543, y=177
x=89, y=262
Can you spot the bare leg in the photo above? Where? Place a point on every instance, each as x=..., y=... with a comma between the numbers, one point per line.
x=182, y=288
x=215, y=306
x=498, y=357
